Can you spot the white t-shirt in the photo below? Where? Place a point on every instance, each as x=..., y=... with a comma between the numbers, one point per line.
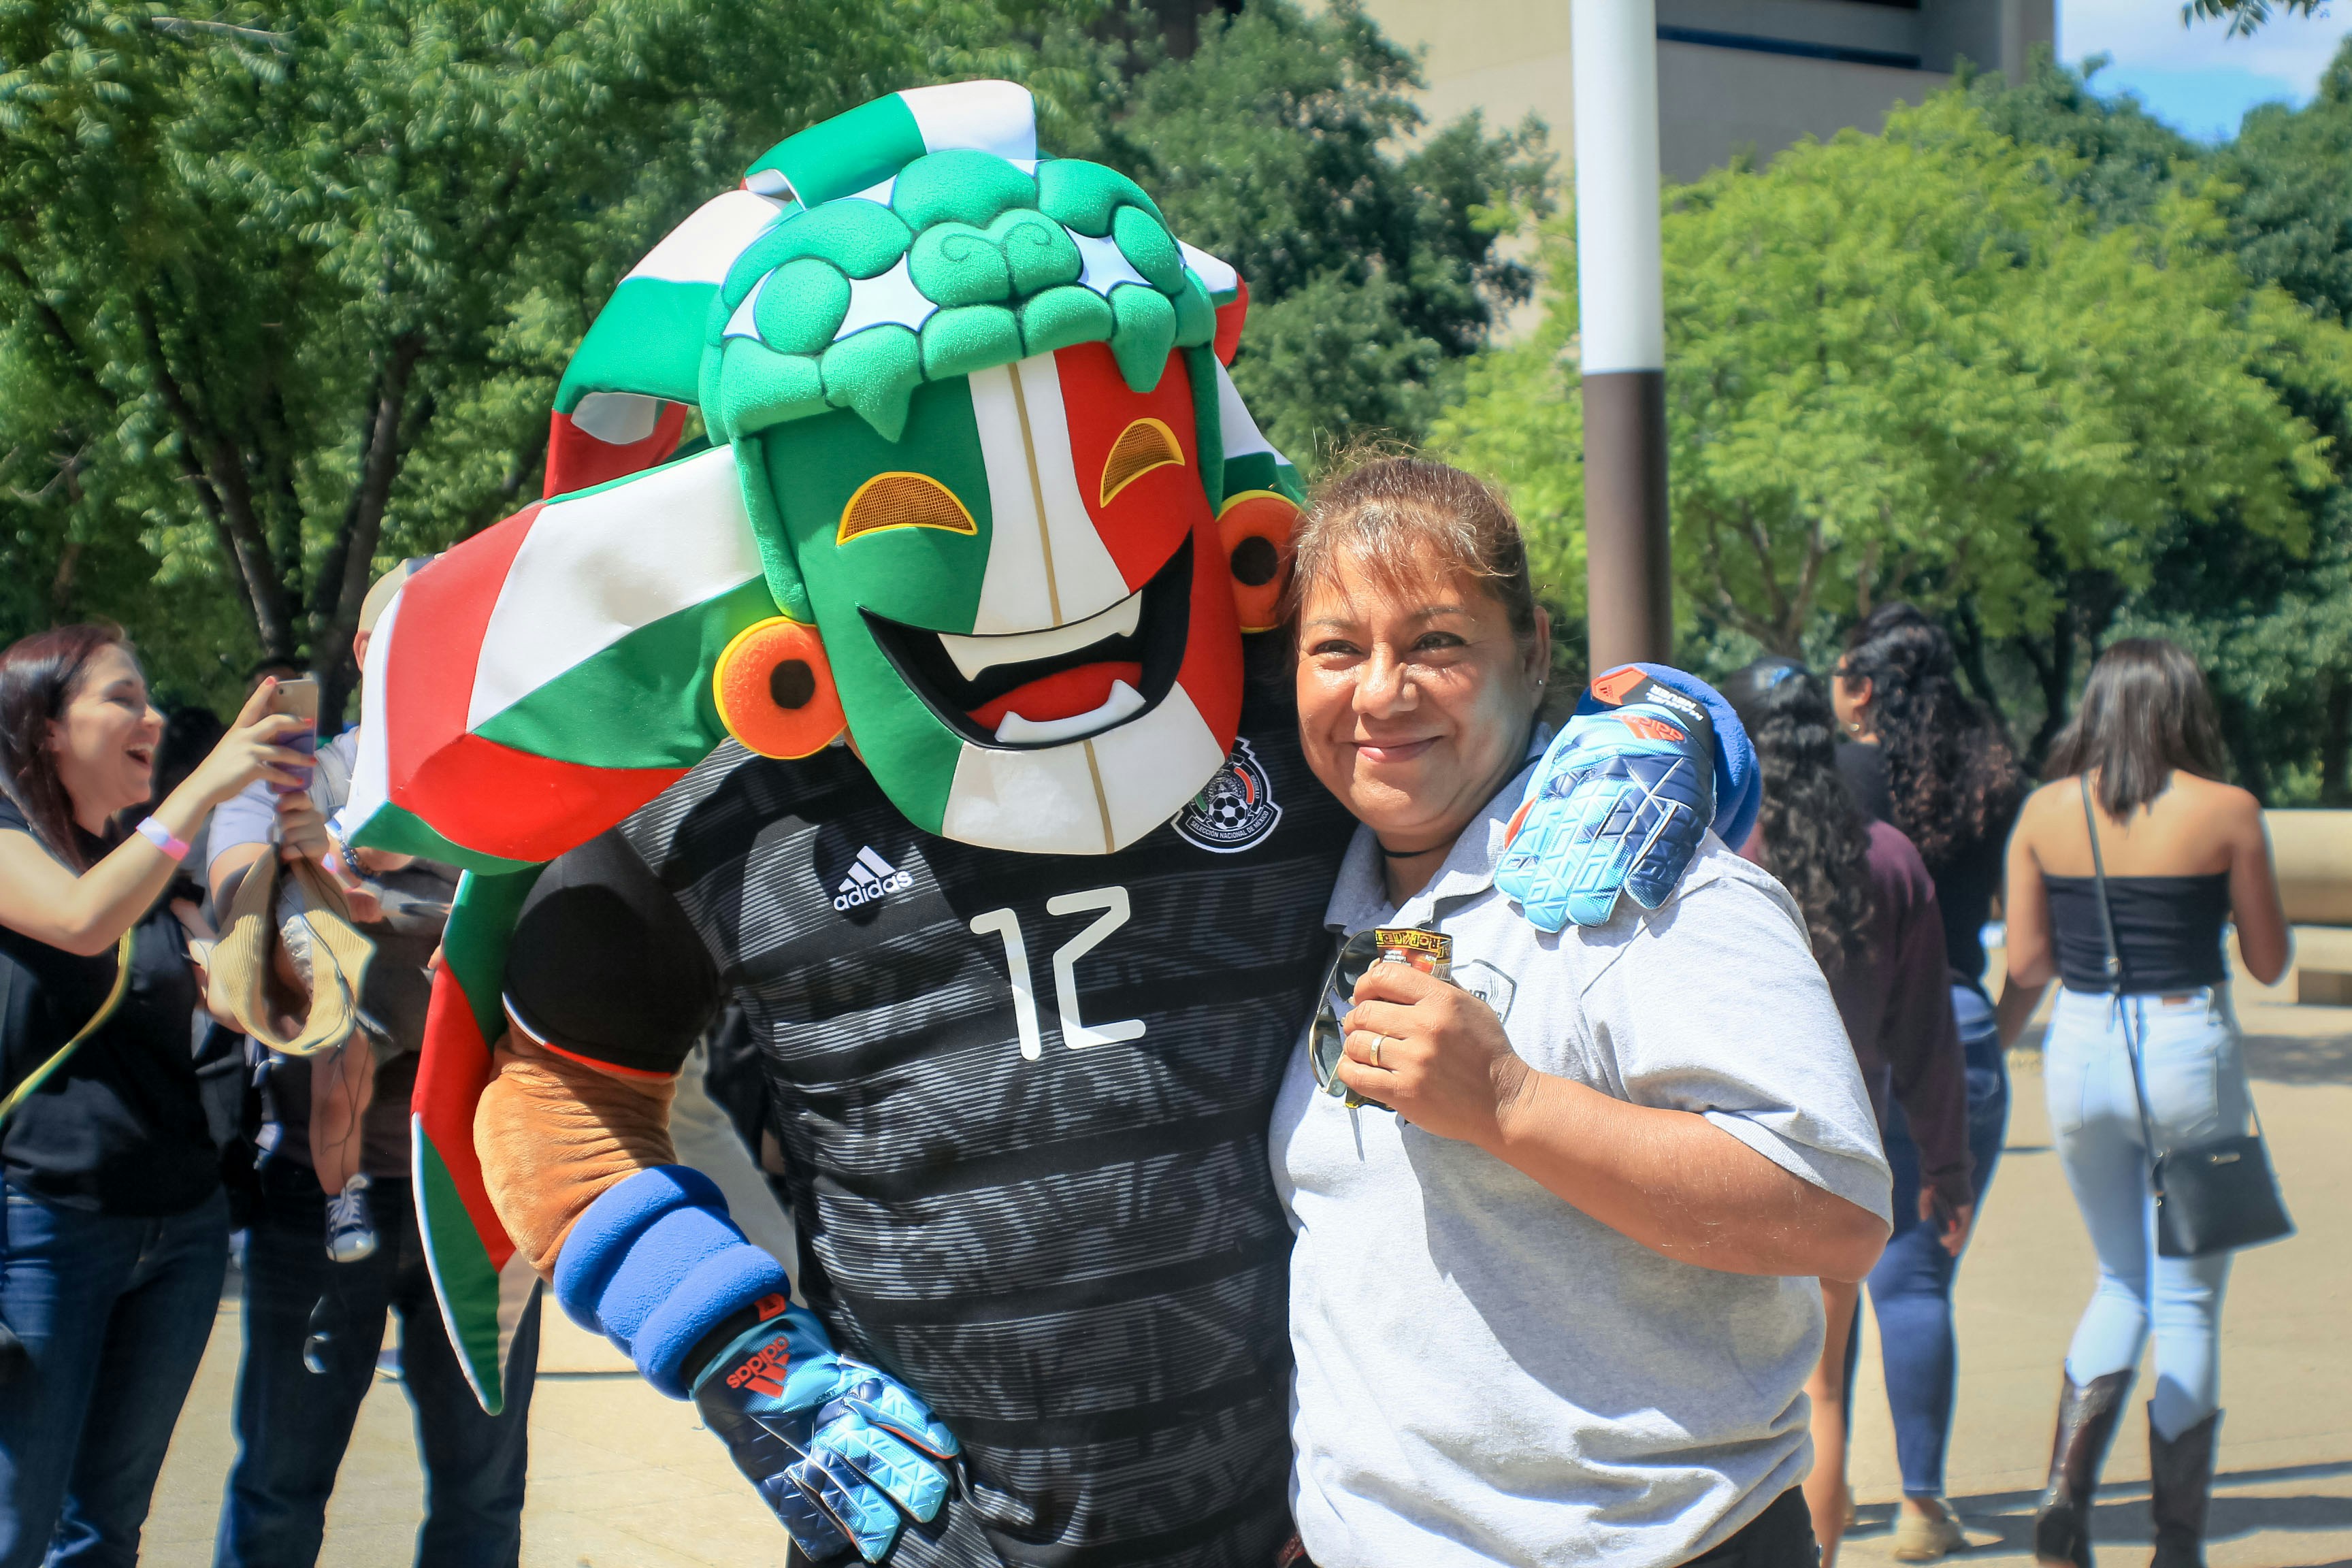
x=1485, y=1374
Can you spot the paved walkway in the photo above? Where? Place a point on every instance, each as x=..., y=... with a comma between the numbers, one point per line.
x=621, y=1478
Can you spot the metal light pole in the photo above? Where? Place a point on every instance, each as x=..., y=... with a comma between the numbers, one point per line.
x=1621, y=312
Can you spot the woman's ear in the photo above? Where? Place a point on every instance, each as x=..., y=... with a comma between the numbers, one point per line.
x=1539, y=653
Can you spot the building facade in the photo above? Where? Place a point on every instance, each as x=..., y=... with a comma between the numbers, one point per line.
x=1734, y=76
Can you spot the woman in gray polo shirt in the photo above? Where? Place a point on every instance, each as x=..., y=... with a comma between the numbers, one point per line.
x=1560, y=1307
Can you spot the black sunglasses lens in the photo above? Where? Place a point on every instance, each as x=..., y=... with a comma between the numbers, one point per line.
x=1327, y=1042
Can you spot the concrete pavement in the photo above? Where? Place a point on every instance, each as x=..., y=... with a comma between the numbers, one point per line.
x=621, y=1478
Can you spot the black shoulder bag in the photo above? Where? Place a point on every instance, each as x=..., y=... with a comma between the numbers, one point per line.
x=2215, y=1196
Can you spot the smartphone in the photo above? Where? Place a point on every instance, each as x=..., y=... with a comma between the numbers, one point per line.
x=300, y=697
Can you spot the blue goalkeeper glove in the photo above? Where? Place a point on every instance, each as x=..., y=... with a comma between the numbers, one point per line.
x=835, y=1446
x=1625, y=795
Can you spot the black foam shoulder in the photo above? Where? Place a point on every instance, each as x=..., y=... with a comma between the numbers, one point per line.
x=605, y=965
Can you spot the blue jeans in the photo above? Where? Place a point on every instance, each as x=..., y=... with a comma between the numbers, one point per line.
x=2196, y=1089
x=114, y=1313
x=293, y=1425
x=1911, y=1288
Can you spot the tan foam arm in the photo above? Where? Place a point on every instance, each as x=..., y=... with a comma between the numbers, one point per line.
x=554, y=1133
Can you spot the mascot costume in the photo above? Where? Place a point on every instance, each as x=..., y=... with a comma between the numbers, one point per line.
x=919, y=711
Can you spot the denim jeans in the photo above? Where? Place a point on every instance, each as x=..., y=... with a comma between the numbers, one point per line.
x=1911, y=1288
x=292, y=1423
x=114, y=1311
x=2196, y=1083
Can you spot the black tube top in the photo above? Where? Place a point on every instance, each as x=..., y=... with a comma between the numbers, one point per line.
x=2168, y=929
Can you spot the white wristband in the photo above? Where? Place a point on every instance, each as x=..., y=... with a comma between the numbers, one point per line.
x=161, y=836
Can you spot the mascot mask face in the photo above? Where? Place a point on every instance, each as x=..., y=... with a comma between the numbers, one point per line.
x=970, y=430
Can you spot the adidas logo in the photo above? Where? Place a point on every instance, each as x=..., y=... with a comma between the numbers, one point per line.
x=870, y=878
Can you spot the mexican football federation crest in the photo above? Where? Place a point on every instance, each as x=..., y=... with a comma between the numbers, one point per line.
x=1233, y=810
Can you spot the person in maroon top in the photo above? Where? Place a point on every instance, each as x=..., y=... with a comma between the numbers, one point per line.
x=1870, y=908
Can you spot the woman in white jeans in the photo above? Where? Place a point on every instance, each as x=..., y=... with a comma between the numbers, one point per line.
x=2185, y=854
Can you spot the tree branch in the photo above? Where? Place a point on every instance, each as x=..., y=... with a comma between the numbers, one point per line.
x=352, y=557
x=210, y=455
x=529, y=462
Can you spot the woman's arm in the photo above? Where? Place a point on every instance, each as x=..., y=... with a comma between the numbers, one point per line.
x=2255, y=904
x=1922, y=1045
x=1668, y=1179
x=2025, y=909
x=88, y=913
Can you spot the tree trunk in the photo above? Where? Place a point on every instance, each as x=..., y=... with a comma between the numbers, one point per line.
x=348, y=567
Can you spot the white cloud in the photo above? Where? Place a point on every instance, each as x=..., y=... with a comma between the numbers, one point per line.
x=2147, y=35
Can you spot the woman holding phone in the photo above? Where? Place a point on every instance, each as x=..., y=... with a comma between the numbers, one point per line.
x=1558, y=1303
x=116, y=1230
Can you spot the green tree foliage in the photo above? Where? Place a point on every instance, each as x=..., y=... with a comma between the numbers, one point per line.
x=284, y=291
x=2275, y=628
x=2246, y=16
x=1289, y=145
x=2272, y=624
x=286, y=288
x=1909, y=363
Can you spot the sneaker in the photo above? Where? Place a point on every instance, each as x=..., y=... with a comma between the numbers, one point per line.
x=351, y=1227
x=1924, y=1538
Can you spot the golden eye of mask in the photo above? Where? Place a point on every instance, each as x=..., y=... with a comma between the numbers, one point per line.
x=1143, y=447
x=902, y=500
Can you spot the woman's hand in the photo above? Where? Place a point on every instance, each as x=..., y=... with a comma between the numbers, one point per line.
x=253, y=749
x=1952, y=1226
x=1434, y=1054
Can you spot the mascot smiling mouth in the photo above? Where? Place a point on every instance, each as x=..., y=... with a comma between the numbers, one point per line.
x=1025, y=691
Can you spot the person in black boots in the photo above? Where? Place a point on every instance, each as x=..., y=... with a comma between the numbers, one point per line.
x=2182, y=853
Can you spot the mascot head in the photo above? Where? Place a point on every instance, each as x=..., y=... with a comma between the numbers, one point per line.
x=979, y=499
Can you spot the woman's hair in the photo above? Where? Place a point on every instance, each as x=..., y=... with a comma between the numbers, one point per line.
x=2145, y=712
x=1383, y=511
x=1953, y=782
x=39, y=675
x=1815, y=840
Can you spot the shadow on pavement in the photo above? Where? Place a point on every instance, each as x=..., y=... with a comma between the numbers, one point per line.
x=2120, y=1516
x=2290, y=1058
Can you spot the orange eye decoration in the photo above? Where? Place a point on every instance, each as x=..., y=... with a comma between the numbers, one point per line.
x=902, y=500
x=1143, y=447
x=774, y=689
x=1255, y=527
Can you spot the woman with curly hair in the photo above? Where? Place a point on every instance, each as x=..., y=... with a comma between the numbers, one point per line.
x=1919, y=754
x=1869, y=908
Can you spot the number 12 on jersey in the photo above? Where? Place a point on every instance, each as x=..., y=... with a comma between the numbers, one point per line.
x=1075, y=1032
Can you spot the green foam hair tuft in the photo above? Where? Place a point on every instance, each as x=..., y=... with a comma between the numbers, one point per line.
x=976, y=189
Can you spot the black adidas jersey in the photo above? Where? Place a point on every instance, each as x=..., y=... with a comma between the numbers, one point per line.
x=1023, y=1100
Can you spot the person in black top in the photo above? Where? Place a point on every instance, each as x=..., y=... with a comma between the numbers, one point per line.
x=116, y=1231
x=1922, y=757
x=2183, y=853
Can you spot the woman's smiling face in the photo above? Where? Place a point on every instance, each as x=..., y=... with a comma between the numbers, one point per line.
x=1415, y=698
x=105, y=740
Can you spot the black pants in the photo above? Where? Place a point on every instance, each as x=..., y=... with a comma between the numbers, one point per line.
x=1779, y=1537
x=292, y=1423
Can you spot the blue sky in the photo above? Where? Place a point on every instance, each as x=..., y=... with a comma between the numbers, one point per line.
x=2195, y=79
